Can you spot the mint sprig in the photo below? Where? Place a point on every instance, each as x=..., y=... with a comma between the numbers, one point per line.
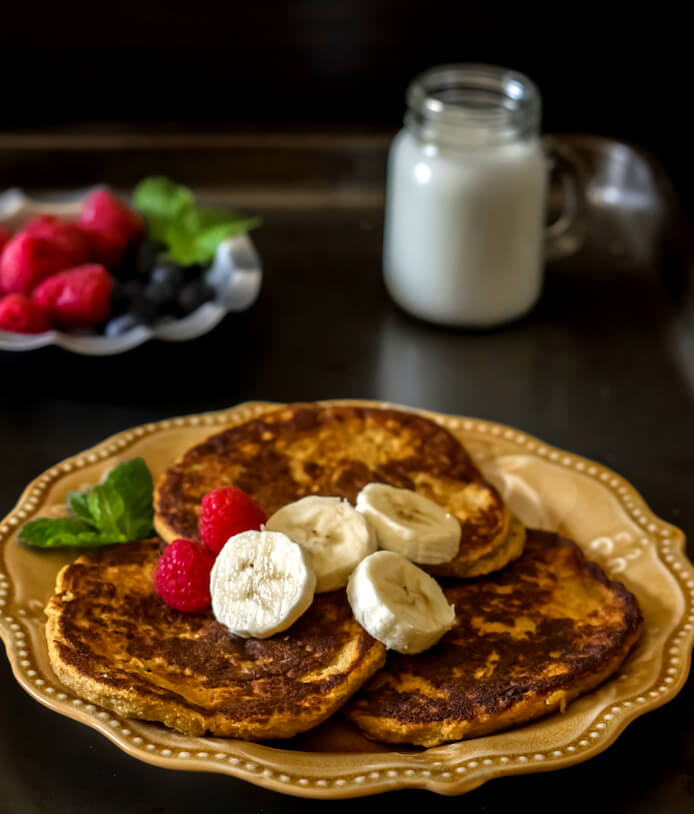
x=65, y=531
x=191, y=233
x=118, y=510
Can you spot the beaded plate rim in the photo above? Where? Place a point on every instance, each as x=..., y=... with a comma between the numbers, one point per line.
x=397, y=770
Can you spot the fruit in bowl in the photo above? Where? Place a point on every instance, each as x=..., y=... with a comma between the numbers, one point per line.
x=113, y=266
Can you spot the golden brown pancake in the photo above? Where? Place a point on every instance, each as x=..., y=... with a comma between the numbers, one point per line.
x=309, y=449
x=526, y=641
x=114, y=642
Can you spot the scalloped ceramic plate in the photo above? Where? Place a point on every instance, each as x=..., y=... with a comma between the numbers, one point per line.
x=546, y=487
x=235, y=274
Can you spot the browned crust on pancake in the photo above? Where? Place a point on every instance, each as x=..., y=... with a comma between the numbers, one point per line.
x=304, y=449
x=508, y=549
x=114, y=642
x=527, y=640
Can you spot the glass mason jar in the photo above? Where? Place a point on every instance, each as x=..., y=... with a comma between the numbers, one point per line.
x=466, y=198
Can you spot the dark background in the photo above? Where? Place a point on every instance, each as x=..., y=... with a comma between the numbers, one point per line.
x=280, y=62
x=612, y=68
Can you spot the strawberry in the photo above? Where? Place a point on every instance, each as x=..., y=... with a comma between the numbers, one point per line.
x=182, y=576
x=37, y=252
x=227, y=511
x=76, y=297
x=19, y=314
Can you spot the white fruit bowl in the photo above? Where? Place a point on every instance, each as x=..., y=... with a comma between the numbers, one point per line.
x=235, y=274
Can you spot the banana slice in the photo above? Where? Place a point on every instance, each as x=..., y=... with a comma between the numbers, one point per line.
x=398, y=603
x=261, y=583
x=409, y=523
x=335, y=534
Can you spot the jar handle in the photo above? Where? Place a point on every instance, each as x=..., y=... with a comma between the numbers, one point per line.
x=565, y=234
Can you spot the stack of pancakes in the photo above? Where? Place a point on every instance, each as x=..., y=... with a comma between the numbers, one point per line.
x=536, y=623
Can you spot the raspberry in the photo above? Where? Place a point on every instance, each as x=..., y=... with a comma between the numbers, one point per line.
x=227, y=511
x=103, y=212
x=109, y=226
x=182, y=576
x=76, y=297
x=67, y=237
x=19, y=314
x=28, y=258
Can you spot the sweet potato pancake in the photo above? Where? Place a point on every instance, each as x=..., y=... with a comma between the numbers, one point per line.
x=308, y=449
x=113, y=641
x=527, y=641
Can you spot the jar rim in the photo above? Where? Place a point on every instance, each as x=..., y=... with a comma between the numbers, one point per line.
x=473, y=95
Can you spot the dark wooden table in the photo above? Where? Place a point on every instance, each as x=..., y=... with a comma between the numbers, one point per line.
x=603, y=367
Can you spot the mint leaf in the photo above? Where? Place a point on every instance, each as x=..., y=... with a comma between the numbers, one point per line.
x=158, y=196
x=201, y=217
x=190, y=243
x=116, y=511
x=181, y=245
x=67, y=531
x=106, y=506
x=78, y=503
x=208, y=239
x=190, y=233
x=132, y=480
x=162, y=202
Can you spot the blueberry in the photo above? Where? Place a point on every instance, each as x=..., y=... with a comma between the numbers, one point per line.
x=193, y=295
x=169, y=273
x=122, y=324
x=162, y=294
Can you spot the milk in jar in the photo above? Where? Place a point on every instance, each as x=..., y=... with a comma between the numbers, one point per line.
x=466, y=196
